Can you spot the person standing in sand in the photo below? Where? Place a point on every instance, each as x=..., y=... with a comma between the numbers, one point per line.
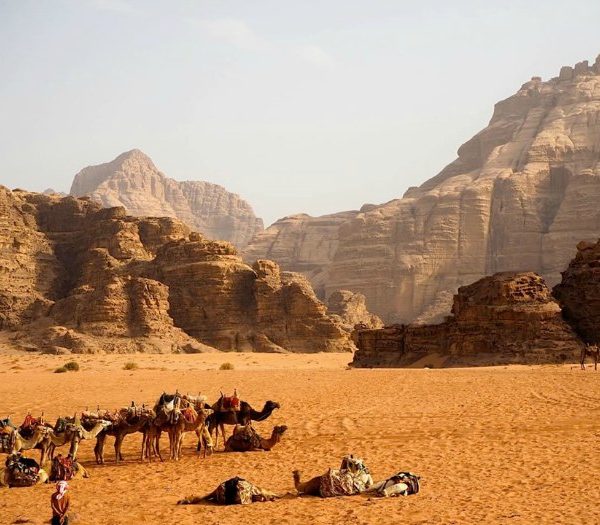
x=60, y=504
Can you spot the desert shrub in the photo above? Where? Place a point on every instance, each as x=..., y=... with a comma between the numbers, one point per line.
x=60, y=370
x=130, y=365
x=226, y=366
x=73, y=366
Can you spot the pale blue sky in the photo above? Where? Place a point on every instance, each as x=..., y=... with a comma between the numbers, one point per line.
x=298, y=106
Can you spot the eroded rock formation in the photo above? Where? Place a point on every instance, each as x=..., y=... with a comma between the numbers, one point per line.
x=504, y=318
x=579, y=292
x=520, y=195
x=352, y=310
x=132, y=181
x=78, y=277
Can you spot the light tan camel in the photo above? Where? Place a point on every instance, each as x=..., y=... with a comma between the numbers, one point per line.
x=54, y=439
x=81, y=434
x=591, y=350
x=21, y=443
x=183, y=425
x=245, y=439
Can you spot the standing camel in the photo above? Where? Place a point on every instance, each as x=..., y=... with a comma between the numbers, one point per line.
x=218, y=419
x=131, y=421
x=81, y=433
x=195, y=423
x=591, y=350
x=21, y=443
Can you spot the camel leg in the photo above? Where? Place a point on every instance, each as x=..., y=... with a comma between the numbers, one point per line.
x=118, y=443
x=99, y=448
x=157, y=445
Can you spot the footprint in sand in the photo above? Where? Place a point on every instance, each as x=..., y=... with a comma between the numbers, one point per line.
x=348, y=424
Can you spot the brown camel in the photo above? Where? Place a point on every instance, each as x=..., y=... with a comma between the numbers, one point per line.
x=131, y=420
x=591, y=350
x=245, y=415
x=245, y=439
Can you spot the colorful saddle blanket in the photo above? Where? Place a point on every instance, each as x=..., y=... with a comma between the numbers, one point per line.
x=63, y=468
x=22, y=472
x=229, y=404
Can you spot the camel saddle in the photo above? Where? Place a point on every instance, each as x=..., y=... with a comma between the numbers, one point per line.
x=22, y=472
x=63, y=468
x=189, y=414
x=229, y=404
x=246, y=437
x=27, y=428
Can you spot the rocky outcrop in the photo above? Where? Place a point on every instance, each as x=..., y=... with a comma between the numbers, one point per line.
x=502, y=319
x=352, y=310
x=301, y=243
x=78, y=277
x=579, y=292
x=520, y=195
x=133, y=182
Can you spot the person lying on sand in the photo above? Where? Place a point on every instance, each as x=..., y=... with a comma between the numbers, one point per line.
x=234, y=491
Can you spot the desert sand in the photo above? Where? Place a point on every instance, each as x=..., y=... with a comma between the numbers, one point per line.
x=493, y=445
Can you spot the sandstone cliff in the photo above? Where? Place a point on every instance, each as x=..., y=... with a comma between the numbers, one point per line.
x=579, y=292
x=505, y=318
x=78, y=277
x=132, y=181
x=520, y=195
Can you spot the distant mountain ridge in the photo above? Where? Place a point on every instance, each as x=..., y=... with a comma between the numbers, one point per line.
x=519, y=197
x=133, y=181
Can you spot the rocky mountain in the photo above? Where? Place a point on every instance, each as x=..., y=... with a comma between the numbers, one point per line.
x=520, y=195
x=579, y=292
x=76, y=277
x=133, y=181
x=500, y=319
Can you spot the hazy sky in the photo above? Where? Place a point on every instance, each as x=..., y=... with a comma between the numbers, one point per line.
x=298, y=106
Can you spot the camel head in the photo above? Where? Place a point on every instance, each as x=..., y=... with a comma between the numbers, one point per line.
x=270, y=406
x=279, y=431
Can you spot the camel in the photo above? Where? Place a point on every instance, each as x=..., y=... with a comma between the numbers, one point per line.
x=591, y=350
x=245, y=415
x=352, y=477
x=21, y=443
x=5, y=477
x=131, y=421
x=81, y=433
x=177, y=431
x=54, y=439
x=245, y=439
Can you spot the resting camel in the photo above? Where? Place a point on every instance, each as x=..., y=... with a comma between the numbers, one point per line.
x=245, y=439
x=353, y=469
x=591, y=350
x=130, y=421
x=218, y=419
x=5, y=477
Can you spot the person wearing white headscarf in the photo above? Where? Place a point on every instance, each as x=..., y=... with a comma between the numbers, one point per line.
x=60, y=502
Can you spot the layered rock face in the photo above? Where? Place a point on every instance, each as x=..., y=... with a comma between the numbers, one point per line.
x=132, y=181
x=505, y=318
x=520, y=195
x=78, y=277
x=579, y=292
x=352, y=310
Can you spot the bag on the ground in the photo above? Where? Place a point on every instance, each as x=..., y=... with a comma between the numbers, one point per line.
x=400, y=484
